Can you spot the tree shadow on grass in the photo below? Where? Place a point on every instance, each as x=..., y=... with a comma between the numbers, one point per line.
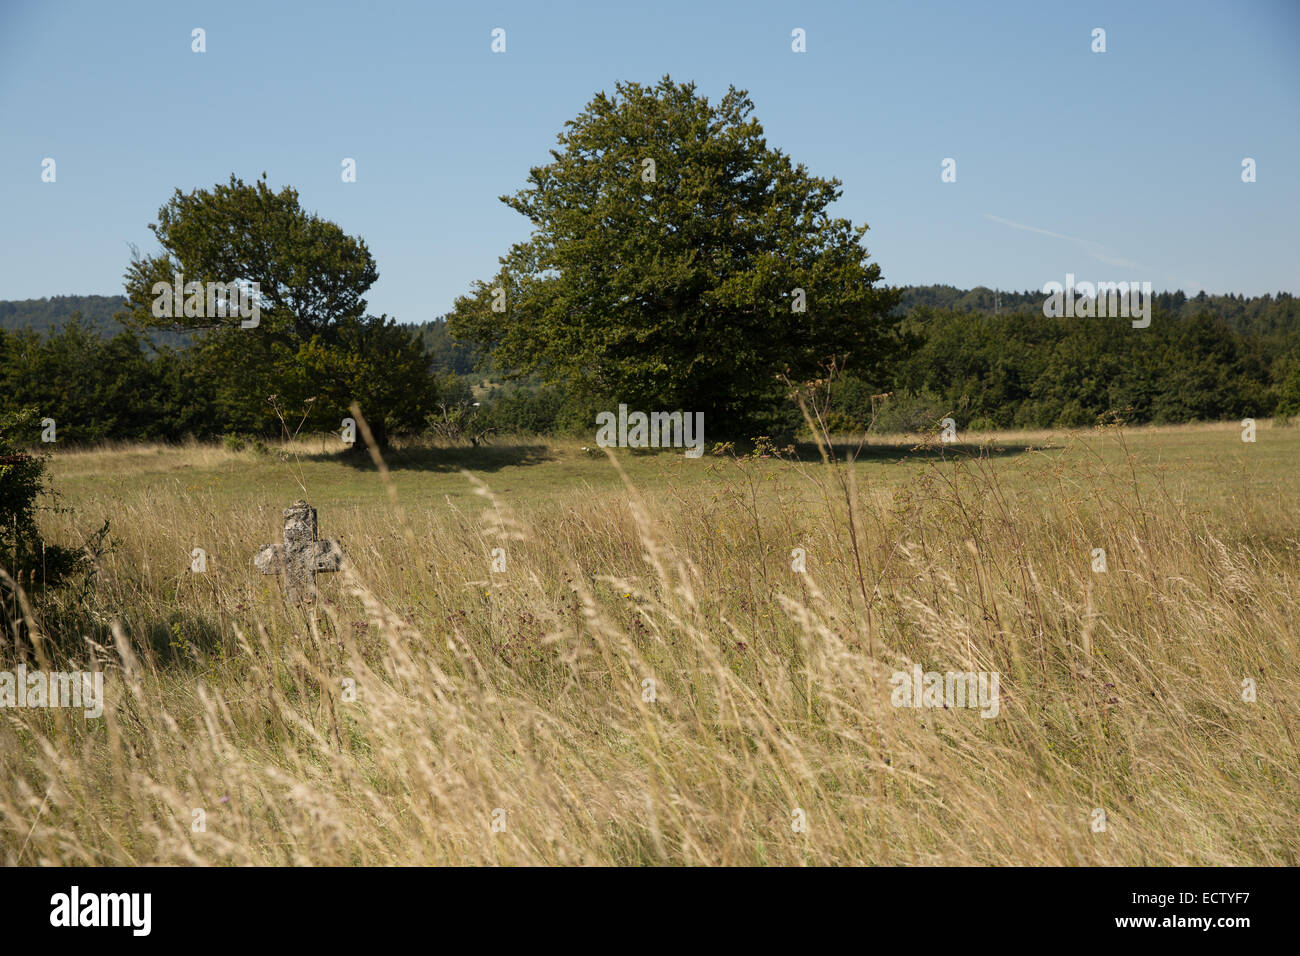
x=179, y=637
x=486, y=458
x=492, y=458
x=878, y=452
x=183, y=637
x=921, y=451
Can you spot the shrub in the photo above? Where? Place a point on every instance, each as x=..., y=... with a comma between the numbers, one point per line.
x=907, y=411
x=27, y=558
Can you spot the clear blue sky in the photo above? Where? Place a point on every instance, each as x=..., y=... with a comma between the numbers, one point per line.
x=1123, y=165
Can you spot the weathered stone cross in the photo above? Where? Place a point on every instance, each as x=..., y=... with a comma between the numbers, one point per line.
x=301, y=556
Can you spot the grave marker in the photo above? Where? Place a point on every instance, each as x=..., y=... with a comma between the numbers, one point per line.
x=302, y=556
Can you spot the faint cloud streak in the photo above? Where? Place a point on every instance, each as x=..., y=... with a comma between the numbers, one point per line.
x=1094, y=250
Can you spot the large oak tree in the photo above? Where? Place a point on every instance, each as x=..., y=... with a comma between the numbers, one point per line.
x=669, y=241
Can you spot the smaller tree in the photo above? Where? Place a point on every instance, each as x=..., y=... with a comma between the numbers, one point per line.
x=312, y=344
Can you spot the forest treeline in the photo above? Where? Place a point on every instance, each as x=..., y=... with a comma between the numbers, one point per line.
x=988, y=358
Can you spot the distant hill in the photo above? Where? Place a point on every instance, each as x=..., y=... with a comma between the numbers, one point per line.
x=1273, y=318
x=43, y=315
x=97, y=311
x=1276, y=316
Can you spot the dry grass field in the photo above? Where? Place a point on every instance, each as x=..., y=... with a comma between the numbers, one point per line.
x=648, y=680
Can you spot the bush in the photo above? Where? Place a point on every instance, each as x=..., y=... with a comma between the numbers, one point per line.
x=28, y=559
x=1288, y=390
x=906, y=411
x=531, y=411
x=1074, y=415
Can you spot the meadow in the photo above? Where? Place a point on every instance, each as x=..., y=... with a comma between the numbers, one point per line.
x=645, y=678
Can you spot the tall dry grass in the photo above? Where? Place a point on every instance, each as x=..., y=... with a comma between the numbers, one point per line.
x=521, y=696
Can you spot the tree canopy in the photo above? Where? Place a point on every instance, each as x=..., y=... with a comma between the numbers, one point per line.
x=310, y=344
x=679, y=261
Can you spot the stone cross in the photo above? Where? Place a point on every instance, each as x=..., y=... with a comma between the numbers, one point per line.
x=301, y=556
